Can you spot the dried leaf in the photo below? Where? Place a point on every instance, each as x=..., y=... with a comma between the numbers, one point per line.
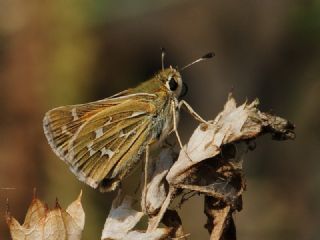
x=233, y=124
x=75, y=210
x=42, y=223
x=156, y=190
x=219, y=223
x=36, y=211
x=211, y=162
x=122, y=219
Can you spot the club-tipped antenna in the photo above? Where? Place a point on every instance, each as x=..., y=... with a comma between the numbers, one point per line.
x=163, y=53
x=204, y=57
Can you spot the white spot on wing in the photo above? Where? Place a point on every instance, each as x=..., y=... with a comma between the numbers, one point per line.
x=109, y=121
x=99, y=132
x=74, y=114
x=121, y=134
x=108, y=152
x=137, y=114
x=91, y=151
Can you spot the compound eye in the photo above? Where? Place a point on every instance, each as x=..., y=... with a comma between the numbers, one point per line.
x=173, y=84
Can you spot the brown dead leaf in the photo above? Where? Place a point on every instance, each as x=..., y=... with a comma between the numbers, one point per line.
x=123, y=218
x=211, y=161
x=155, y=193
x=42, y=223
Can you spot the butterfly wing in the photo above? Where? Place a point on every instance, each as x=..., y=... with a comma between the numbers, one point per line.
x=102, y=140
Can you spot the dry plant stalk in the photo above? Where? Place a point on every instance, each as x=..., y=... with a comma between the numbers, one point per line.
x=210, y=164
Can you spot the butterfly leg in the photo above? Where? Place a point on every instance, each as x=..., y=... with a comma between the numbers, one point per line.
x=146, y=168
x=175, y=128
x=191, y=111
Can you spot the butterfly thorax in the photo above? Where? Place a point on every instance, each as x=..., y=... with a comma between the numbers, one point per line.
x=162, y=122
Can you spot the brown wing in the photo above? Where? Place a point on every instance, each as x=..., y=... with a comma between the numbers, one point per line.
x=103, y=139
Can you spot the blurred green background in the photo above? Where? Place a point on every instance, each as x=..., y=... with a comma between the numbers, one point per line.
x=58, y=52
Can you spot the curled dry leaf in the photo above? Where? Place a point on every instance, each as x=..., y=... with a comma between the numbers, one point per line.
x=156, y=190
x=42, y=223
x=232, y=125
x=211, y=163
x=123, y=218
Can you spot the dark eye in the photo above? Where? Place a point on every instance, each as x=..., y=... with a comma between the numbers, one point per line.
x=173, y=84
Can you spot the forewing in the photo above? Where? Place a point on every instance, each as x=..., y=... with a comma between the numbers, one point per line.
x=92, y=138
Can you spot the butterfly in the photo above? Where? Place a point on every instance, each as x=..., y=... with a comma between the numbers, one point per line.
x=102, y=141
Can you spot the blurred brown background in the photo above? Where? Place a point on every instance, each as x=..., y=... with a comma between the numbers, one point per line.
x=58, y=52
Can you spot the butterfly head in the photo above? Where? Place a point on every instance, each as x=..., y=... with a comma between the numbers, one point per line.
x=171, y=77
x=172, y=80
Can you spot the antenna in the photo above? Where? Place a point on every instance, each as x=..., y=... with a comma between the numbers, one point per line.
x=163, y=53
x=204, y=57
